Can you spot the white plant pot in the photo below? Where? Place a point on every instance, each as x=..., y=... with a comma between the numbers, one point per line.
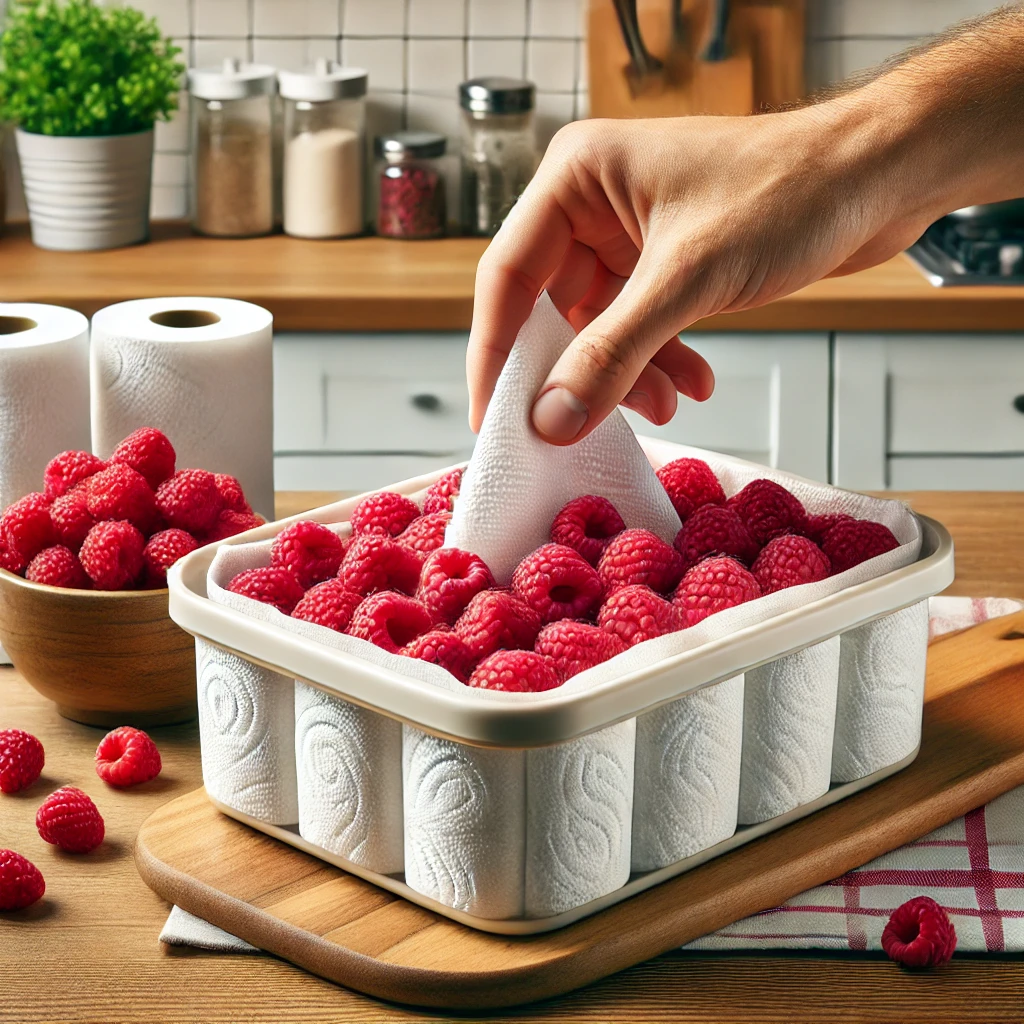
x=87, y=193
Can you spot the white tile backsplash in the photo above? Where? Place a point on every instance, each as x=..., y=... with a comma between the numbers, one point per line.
x=560, y=18
x=437, y=18
x=172, y=136
x=173, y=16
x=296, y=18
x=497, y=18
x=210, y=53
x=495, y=57
x=371, y=17
x=293, y=54
x=551, y=64
x=384, y=59
x=554, y=110
x=221, y=18
x=435, y=66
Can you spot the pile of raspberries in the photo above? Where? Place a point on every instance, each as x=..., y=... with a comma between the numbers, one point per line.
x=594, y=591
x=119, y=524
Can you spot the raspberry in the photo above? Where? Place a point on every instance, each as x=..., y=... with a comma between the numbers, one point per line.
x=375, y=562
x=557, y=582
x=788, y=561
x=715, y=530
x=587, y=525
x=576, y=646
x=329, y=604
x=818, y=526
x=271, y=585
x=637, y=613
x=149, y=452
x=57, y=566
x=230, y=524
x=162, y=550
x=127, y=757
x=190, y=500
x=10, y=560
x=21, y=882
x=919, y=934
x=21, y=760
x=69, y=819
x=450, y=579
x=26, y=527
x=768, y=510
x=111, y=555
x=496, y=619
x=231, y=493
x=384, y=512
x=516, y=672
x=690, y=483
x=390, y=620
x=849, y=544
x=444, y=648
x=441, y=494
x=68, y=468
x=638, y=556
x=712, y=585
x=118, y=492
x=426, y=533
x=311, y=551
x=71, y=518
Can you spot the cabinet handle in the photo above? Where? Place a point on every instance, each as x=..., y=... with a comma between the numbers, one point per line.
x=1018, y=403
x=427, y=402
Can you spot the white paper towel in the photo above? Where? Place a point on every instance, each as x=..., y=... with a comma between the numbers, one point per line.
x=209, y=388
x=348, y=764
x=881, y=693
x=687, y=775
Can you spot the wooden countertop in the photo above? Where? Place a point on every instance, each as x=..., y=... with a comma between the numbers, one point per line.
x=89, y=950
x=372, y=284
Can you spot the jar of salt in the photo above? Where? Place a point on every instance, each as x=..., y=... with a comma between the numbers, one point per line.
x=324, y=150
x=411, y=188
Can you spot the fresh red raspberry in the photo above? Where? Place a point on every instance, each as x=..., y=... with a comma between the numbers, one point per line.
x=587, y=525
x=310, y=550
x=127, y=757
x=119, y=492
x=768, y=510
x=818, y=526
x=495, y=620
x=637, y=613
x=690, y=483
x=715, y=530
x=71, y=518
x=445, y=648
x=449, y=580
x=57, y=566
x=516, y=672
x=384, y=512
x=149, y=452
x=638, y=556
x=162, y=550
x=375, y=562
x=919, y=934
x=111, y=555
x=69, y=819
x=21, y=760
x=231, y=493
x=426, y=533
x=329, y=604
x=712, y=585
x=230, y=524
x=10, y=560
x=788, y=561
x=390, y=620
x=190, y=500
x=849, y=544
x=557, y=582
x=21, y=882
x=26, y=527
x=68, y=468
x=576, y=646
x=270, y=584
x=441, y=494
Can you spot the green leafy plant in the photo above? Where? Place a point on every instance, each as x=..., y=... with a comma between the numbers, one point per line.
x=74, y=68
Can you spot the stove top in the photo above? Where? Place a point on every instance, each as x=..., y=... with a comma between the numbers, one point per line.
x=965, y=252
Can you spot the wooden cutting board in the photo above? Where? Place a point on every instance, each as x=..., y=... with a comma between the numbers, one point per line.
x=349, y=931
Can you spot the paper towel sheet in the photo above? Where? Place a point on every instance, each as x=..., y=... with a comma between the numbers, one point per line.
x=789, y=710
x=687, y=775
x=881, y=693
x=349, y=769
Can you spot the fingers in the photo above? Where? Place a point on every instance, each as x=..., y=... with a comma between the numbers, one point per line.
x=653, y=395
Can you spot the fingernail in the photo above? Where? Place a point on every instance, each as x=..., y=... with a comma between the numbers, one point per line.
x=559, y=415
x=640, y=402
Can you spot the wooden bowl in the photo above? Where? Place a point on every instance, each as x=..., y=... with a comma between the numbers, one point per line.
x=106, y=658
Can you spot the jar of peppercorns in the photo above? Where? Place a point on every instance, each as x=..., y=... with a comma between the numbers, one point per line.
x=411, y=185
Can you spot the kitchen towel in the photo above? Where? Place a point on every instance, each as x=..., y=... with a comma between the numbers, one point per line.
x=199, y=369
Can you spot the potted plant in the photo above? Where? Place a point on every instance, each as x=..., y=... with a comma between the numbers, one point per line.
x=84, y=85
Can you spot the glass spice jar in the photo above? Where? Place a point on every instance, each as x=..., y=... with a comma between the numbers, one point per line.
x=411, y=186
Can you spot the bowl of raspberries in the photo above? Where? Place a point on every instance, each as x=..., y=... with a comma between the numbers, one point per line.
x=83, y=578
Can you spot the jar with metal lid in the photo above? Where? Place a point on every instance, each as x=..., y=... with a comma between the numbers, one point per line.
x=411, y=187
x=324, y=147
x=232, y=149
x=499, y=149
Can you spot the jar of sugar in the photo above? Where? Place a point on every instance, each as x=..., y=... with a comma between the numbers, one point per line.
x=324, y=150
x=411, y=187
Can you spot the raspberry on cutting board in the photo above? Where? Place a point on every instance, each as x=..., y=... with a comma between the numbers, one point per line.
x=576, y=646
x=390, y=620
x=384, y=512
x=329, y=604
x=496, y=619
x=148, y=451
x=67, y=469
x=712, y=586
x=587, y=525
x=127, y=757
x=516, y=672
x=57, y=566
x=768, y=510
x=557, y=582
x=21, y=882
x=445, y=648
x=715, y=530
x=68, y=818
x=21, y=760
x=269, y=584
x=441, y=494
x=636, y=613
x=449, y=580
x=639, y=556
x=119, y=492
x=375, y=561
x=309, y=550
x=111, y=555
x=788, y=561
x=190, y=500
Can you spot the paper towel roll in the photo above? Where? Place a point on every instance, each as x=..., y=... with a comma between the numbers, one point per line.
x=348, y=764
x=881, y=693
x=247, y=735
x=687, y=775
x=789, y=713
x=199, y=369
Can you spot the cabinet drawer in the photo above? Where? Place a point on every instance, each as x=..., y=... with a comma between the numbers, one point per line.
x=353, y=473
x=967, y=473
